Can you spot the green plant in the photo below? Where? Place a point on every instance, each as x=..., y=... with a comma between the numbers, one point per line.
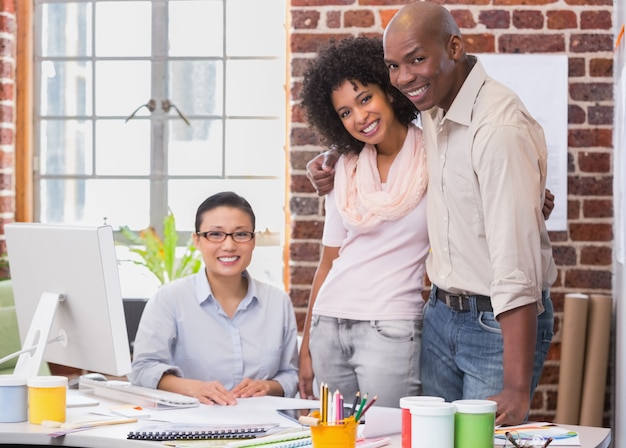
x=159, y=254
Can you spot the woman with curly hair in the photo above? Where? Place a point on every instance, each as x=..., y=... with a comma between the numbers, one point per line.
x=363, y=326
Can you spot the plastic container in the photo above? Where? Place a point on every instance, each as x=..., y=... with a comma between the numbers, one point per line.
x=474, y=423
x=13, y=399
x=405, y=405
x=335, y=435
x=47, y=399
x=432, y=425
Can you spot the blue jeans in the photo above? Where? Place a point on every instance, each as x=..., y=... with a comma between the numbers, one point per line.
x=461, y=355
x=379, y=357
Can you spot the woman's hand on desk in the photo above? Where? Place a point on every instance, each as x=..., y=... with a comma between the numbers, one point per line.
x=208, y=392
x=257, y=388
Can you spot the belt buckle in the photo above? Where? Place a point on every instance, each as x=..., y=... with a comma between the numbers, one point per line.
x=455, y=301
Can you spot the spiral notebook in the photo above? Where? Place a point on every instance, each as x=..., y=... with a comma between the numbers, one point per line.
x=178, y=431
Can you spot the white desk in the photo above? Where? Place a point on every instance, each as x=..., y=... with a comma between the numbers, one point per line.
x=247, y=411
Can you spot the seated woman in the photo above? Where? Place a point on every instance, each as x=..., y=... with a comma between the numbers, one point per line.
x=219, y=335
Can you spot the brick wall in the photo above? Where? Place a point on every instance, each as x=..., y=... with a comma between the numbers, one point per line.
x=7, y=119
x=583, y=30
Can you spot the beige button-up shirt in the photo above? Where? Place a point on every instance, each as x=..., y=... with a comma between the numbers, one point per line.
x=487, y=163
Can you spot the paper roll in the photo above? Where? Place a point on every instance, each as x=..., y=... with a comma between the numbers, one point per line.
x=574, y=334
x=596, y=360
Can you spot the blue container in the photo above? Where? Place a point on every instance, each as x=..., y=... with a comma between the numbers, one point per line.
x=13, y=399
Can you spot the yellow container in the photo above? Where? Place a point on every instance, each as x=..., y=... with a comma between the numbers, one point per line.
x=335, y=435
x=46, y=398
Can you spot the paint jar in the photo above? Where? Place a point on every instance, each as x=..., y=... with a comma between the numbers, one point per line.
x=47, y=397
x=335, y=435
x=13, y=399
x=432, y=425
x=405, y=405
x=474, y=423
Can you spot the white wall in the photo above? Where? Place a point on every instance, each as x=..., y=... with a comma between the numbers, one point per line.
x=619, y=231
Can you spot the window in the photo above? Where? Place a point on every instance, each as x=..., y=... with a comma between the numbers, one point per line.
x=145, y=105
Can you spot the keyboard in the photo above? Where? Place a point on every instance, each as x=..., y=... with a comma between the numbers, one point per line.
x=136, y=395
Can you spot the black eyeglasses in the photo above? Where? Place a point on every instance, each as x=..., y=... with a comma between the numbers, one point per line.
x=513, y=439
x=215, y=236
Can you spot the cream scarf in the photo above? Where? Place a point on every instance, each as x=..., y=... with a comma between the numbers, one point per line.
x=362, y=202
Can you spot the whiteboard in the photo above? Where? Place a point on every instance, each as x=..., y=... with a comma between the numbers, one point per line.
x=541, y=82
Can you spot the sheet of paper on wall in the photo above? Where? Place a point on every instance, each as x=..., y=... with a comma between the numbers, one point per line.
x=535, y=77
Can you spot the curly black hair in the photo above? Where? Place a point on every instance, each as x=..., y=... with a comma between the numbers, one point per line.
x=355, y=59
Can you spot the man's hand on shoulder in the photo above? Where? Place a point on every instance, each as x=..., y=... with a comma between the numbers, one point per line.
x=548, y=204
x=321, y=171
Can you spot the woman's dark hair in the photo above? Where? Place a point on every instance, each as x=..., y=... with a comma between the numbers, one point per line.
x=224, y=199
x=354, y=59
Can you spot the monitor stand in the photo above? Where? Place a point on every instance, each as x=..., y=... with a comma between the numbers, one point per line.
x=31, y=355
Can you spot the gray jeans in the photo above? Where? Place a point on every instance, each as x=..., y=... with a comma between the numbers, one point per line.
x=378, y=357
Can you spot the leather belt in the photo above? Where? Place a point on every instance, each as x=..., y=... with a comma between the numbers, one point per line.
x=461, y=302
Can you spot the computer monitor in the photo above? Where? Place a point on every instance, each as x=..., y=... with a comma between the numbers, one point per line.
x=68, y=298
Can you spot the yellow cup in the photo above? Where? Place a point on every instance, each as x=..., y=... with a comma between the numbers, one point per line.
x=46, y=398
x=333, y=435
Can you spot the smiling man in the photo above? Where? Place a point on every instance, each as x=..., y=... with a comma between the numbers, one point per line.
x=487, y=324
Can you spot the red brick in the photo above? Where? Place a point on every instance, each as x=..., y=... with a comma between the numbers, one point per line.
x=300, y=297
x=304, y=206
x=358, y=19
x=598, y=208
x=303, y=136
x=588, y=43
x=564, y=255
x=573, y=209
x=305, y=19
x=575, y=114
x=589, y=2
x=595, y=20
x=298, y=66
x=600, y=115
x=386, y=15
x=297, y=114
x=531, y=43
x=8, y=6
x=596, y=256
x=522, y=2
x=333, y=19
x=6, y=182
x=305, y=230
x=304, y=252
x=601, y=67
x=300, y=184
x=594, y=162
x=7, y=205
x=576, y=67
x=591, y=91
x=586, y=280
x=7, y=137
x=464, y=18
x=298, y=159
x=590, y=185
x=6, y=158
x=479, y=43
x=7, y=91
x=385, y=2
x=321, y=2
x=528, y=20
x=561, y=20
x=591, y=232
x=311, y=43
x=495, y=19
x=302, y=275
x=8, y=22
x=6, y=114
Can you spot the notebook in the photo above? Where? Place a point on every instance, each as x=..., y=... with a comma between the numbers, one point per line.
x=178, y=431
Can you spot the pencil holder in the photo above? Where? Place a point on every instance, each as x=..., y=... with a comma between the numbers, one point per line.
x=331, y=435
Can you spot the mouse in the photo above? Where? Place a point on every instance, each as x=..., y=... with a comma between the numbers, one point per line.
x=94, y=376
x=74, y=382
